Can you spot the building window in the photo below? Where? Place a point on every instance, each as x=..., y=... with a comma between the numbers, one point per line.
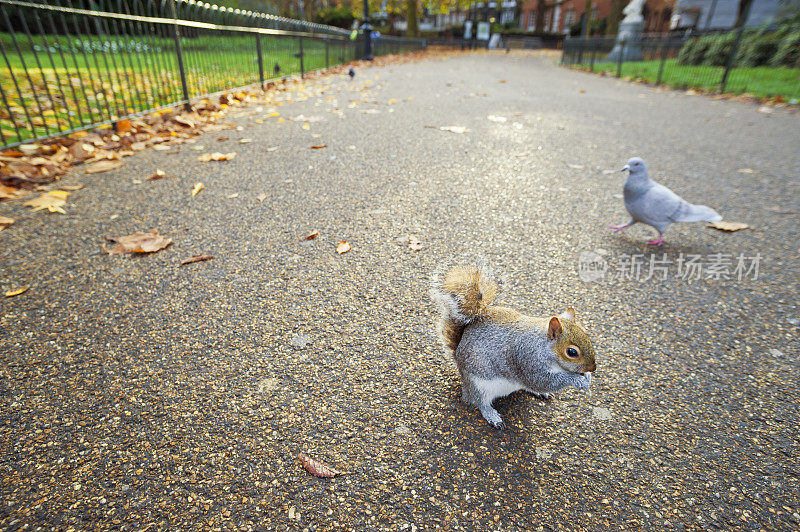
x=569, y=18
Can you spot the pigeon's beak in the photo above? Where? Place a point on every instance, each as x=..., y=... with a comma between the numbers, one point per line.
x=625, y=168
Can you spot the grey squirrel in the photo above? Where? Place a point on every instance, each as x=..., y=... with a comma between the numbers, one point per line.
x=499, y=350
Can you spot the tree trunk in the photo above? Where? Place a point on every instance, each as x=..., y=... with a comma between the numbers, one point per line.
x=615, y=17
x=411, y=17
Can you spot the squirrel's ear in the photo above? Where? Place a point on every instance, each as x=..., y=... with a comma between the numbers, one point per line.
x=554, y=328
x=569, y=314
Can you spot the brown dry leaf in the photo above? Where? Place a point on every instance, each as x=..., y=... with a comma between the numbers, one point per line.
x=318, y=146
x=53, y=201
x=102, y=166
x=413, y=243
x=158, y=174
x=196, y=258
x=139, y=242
x=18, y=291
x=223, y=139
x=311, y=236
x=5, y=222
x=71, y=188
x=216, y=156
x=343, y=247
x=123, y=126
x=183, y=121
x=729, y=226
x=197, y=188
x=502, y=81
x=317, y=468
x=261, y=197
x=10, y=192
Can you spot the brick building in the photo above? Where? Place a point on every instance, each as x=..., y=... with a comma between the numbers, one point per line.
x=561, y=14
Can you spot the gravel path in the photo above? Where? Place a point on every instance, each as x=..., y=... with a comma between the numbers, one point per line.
x=136, y=394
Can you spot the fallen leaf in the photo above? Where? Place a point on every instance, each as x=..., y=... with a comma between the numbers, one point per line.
x=139, y=242
x=183, y=121
x=746, y=171
x=318, y=146
x=10, y=192
x=317, y=468
x=223, y=139
x=303, y=118
x=245, y=141
x=5, y=222
x=197, y=188
x=162, y=147
x=311, y=236
x=18, y=291
x=342, y=247
x=196, y=258
x=413, y=243
x=765, y=109
x=280, y=121
x=28, y=149
x=158, y=174
x=53, y=201
x=728, y=226
x=454, y=129
x=261, y=197
x=102, y=166
x=494, y=118
x=306, y=126
x=576, y=166
x=501, y=81
x=609, y=172
x=234, y=195
x=71, y=188
x=123, y=126
x=216, y=156
x=780, y=210
x=272, y=148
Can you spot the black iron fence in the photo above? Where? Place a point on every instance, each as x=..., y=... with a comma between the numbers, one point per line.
x=69, y=65
x=719, y=64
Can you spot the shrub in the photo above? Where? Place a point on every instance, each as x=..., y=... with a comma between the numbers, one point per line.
x=759, y=51
x=694, y=51
x=788, y=53
x=719, y=50
x=339, y=16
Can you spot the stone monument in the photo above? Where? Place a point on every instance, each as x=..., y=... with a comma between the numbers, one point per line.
x=630, y=31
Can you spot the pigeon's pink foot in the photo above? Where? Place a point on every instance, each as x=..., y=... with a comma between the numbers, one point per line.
x=656, y=242
x=618, y=228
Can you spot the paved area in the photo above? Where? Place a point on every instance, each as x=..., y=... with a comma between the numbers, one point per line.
x=139, y=395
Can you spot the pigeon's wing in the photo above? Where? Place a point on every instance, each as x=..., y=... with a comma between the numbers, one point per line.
x=655, y=207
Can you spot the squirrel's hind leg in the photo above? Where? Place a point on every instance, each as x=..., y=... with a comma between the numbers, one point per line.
x=472, y=394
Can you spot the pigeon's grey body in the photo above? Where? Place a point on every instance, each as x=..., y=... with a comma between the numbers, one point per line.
x=654, y=204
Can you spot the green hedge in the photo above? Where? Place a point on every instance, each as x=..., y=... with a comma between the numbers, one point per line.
x=779, y=48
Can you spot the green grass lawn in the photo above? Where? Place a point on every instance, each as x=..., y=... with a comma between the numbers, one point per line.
x=80, y=82
x=762, y=82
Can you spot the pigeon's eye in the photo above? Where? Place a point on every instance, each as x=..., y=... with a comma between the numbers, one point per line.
x=573, y=352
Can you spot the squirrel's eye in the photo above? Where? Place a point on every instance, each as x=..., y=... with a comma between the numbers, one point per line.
x=572, y=352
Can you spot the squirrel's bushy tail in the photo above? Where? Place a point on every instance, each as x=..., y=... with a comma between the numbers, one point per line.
x=463, y=294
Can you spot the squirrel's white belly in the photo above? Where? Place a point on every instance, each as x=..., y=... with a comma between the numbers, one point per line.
x=498, y=387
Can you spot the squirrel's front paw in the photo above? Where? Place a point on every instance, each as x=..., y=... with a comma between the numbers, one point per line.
x=582, y=382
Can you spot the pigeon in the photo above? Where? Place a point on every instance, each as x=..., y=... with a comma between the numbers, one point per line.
x=351, y=73
x=277, y=68
x=655, y=205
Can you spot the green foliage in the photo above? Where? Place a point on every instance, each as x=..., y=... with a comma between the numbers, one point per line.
x=758, y=51
x=719, y=50
x=788, y=53
x=339, y=16
x=693, y=51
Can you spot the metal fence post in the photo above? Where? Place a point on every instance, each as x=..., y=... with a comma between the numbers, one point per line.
x=176, y=35
x=260, y=60
x=619, y=60
x=300, y=55
x=591, y=64
x=732, y=58
x=580, y=51
x=327, y=61
x=664, y=48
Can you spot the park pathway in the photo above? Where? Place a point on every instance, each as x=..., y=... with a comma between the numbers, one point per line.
x=137, y=394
